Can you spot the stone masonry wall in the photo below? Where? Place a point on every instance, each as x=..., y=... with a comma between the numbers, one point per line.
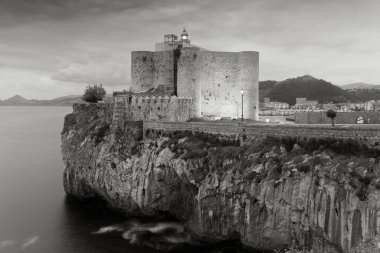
x=188, y=70
x=215, y=79
x=142, y=67
x=163, y=70
x=155, y=109
x=370, y=136
x=151, y=69
x=341, y=117
x=174, y=109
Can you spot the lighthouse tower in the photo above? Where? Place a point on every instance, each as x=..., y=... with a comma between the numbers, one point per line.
x=185, y=36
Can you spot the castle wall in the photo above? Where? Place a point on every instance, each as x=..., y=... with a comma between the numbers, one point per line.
x=216, y=78
x=368, y=135
x=188, y=77
x=370, y=117
x=156, y=109
x=163, y=70
x=151, y=69
x=142, y=67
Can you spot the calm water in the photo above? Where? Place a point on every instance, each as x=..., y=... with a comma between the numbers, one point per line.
x=35, y=215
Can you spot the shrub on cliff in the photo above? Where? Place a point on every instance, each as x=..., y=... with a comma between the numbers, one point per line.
x=94, y=93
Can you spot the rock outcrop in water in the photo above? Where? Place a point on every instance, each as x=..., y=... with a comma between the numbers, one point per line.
x=272, y=194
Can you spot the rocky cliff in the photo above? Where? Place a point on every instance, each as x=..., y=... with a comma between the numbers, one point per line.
x=271, y=194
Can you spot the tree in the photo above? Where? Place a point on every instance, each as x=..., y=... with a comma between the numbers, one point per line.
x=331, y=114
x=94, y=93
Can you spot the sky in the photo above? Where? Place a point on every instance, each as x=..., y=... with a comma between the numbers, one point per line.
x=53, y=48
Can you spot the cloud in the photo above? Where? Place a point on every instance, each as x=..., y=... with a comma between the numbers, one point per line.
x=94, y=68
x=21, y=11
x=48, y=46
x=6, y=243
x=29, y=241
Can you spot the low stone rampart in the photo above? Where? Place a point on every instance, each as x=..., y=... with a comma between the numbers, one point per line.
x=364, y=117
x=166, y=108
x=368, y=134
x=179, y=110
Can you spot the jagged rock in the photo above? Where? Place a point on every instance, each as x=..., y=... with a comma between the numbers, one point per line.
x=269, y=200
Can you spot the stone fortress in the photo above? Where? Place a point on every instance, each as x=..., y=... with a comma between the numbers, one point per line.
x=179, y=81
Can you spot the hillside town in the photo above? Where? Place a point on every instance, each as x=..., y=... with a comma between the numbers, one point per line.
x=358, y=113
x=302, y=105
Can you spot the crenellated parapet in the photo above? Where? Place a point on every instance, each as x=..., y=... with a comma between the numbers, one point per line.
x=128, y=107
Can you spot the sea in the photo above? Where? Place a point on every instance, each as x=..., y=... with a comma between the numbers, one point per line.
x=35, y=213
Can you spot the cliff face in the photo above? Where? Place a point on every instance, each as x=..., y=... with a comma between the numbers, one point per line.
x=268, y=194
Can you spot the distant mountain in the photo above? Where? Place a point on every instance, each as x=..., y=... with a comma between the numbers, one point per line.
x=360, y=85
x=18, y=100
x=308, y=87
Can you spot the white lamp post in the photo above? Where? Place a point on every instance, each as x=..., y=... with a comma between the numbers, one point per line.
x=242, y=100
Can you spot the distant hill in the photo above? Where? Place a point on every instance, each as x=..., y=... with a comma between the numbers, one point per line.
x=308, y=87
x=18, y=100
x=365, y=94
x=265, y=87
x=360, y=86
